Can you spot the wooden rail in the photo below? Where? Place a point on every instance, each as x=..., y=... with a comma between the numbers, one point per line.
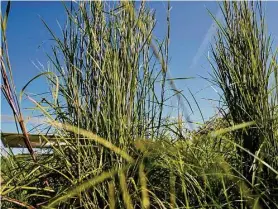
x=15, y=140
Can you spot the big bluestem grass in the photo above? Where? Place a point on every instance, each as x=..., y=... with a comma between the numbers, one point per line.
x=108, y=82
x=245, y=65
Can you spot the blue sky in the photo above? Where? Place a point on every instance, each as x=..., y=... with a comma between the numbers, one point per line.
x=191, y=34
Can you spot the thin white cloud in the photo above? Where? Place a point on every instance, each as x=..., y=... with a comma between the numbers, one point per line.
x=208, y=37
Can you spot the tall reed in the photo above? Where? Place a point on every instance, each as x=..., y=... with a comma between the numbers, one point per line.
x=244, y=67
x=107, y=84
x=108, y=75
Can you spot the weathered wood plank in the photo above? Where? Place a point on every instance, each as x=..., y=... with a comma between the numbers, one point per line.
x=15, y=140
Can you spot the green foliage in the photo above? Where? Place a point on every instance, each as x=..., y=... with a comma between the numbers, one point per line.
x=115, y=146
x=245, y=66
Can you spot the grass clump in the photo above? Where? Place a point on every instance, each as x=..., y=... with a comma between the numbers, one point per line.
x=244, y=69
x=116, y=147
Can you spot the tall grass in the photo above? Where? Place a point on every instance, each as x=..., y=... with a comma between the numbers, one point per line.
x=8, y=87
x=245, y=66
x=107, y=85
